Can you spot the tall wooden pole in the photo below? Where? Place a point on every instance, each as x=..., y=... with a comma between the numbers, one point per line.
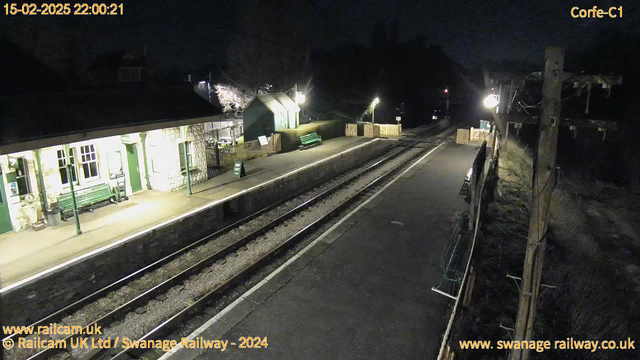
x=506, y=137
x=542, y=188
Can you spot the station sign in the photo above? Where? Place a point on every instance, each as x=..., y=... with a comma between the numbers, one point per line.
x=238, y=169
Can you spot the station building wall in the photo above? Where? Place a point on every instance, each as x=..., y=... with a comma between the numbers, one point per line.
x=95, y=162
x=164, y=160
x=21, y=212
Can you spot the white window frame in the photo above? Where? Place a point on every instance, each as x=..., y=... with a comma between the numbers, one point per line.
x=89, y=155
x=23, y=163
x=74, y=167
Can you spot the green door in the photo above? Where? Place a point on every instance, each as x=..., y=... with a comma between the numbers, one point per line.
x=5, y=219
x=134, y=169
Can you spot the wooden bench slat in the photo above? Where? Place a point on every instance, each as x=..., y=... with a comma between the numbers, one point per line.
x=85, y=197
x=309, y=139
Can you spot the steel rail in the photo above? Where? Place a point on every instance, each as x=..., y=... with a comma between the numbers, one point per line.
x=266, y=259
x=197, y=267
x=58, y=315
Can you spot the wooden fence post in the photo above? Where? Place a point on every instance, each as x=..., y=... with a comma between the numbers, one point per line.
x=544, y=167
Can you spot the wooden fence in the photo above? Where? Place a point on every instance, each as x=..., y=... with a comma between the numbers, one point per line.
x=480, y=135
x=390, y=129
x=371, y=131
x=377, y=130
x=462, y=136
x=227, y=156
x=351, y=129
x=474, y=136
x=483, y=180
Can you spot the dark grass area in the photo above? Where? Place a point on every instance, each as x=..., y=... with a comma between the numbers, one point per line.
x=592, y=257
x=499, y=251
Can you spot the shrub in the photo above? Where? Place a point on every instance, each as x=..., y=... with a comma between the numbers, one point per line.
x=327, y=129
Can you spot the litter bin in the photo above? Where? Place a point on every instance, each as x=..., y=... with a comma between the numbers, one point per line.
x=53, y=217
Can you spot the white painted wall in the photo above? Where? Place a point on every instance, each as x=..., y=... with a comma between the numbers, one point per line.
x=20, y=211
x=163, y=158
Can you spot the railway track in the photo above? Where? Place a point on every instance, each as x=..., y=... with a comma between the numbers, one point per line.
x=165, y=328
x=227, y=252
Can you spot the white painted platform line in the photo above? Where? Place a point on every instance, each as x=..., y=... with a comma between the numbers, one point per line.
x=239, y=300
x=174, y=219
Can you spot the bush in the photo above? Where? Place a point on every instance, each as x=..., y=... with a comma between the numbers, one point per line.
x=327, y=129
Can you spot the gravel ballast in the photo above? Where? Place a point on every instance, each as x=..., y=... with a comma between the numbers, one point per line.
x=138, y=322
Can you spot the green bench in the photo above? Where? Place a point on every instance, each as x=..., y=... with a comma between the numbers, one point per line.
x=84, y=198
x=310, y=140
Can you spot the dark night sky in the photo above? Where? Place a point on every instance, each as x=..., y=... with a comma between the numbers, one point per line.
x=470, y=31
x=192, y=34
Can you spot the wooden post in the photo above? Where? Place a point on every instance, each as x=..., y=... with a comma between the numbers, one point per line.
x=475, y=183
x=494, y=141
x=506, y=137
x=472, y=196
x=466, y=299
x=216, y=148
x=512, y=90
x=542, y=187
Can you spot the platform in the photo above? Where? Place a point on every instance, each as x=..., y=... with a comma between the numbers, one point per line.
x=27, y=253
x=363, y=289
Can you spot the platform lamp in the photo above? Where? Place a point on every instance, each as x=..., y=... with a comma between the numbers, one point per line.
x=300, y=98
x=375, y=102
x=491, y=101
x=446, y=114
x=183, y=130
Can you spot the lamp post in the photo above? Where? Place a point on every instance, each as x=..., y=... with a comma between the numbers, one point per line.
x=446, y=114
x=73, y=193
x=183, y=130
x=299, y=99
x=373, y=109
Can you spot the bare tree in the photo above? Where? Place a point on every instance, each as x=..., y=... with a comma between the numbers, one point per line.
x=231, y=98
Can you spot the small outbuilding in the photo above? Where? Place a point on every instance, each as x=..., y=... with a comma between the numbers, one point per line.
x=269, y=113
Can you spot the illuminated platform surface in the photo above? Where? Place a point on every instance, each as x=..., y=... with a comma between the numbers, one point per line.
x=27, y=253
x=363, y=290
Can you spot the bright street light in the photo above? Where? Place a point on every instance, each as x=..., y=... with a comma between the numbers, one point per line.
x=446, y=114
x=300, y=98
x=373, y=109
x=491, y=101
